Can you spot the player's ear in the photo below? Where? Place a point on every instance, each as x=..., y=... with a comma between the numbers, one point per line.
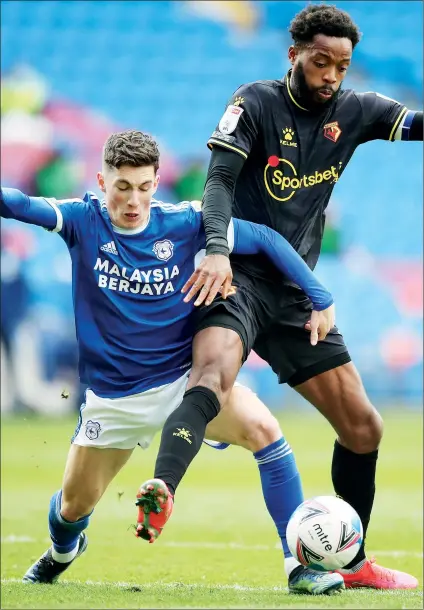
x=101, y=182
x=292, y=54
x=156, y=183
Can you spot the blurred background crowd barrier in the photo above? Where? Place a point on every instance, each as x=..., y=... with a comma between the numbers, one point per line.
x=75, y=71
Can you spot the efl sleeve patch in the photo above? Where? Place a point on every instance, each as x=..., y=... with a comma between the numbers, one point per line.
x=229, y=119
x=241, y=122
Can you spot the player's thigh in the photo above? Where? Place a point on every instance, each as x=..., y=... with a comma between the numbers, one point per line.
x=217, y=358
x=88, y=473
x=225, y=332
x=340, y=396
x=245, y=421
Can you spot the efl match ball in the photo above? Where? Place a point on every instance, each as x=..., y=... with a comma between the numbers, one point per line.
x=324, y=533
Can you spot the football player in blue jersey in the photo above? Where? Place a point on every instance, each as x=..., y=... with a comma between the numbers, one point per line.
x=131, y=257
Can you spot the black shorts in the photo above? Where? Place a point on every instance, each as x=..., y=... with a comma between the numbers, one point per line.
x=270, y=319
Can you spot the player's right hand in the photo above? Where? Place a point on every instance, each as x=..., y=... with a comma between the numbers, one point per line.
x=321, y=323
x=213, y=273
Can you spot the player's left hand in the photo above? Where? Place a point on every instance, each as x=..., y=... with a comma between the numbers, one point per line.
x=213, y=275
x=321, y=323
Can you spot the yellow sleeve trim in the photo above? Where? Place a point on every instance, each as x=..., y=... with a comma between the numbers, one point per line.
x=225, y=145
x=396, y=123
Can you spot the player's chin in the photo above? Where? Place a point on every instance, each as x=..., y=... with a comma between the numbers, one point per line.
x=320, y=98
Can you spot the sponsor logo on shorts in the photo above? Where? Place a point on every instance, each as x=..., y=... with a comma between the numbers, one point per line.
x=183, y=433
x=92, y=429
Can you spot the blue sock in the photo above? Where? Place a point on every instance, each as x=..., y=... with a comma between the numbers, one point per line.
x=281, y=485
x=64, y=534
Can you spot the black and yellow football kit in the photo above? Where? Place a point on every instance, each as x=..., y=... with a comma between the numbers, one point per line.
x=275, y=163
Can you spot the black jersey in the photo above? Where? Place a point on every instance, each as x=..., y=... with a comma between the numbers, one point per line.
x=294, y=157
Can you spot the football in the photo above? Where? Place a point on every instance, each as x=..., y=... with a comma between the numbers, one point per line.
x=324, y=533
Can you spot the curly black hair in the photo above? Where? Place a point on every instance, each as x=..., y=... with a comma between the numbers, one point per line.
x=323, y=19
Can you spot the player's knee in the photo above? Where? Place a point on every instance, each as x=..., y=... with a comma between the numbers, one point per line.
x=216, y=380
x=215, y=376
x=258, y=433
x=366, y=433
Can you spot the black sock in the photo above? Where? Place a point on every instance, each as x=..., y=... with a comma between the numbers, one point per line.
x=353, y=477
x=183, y=434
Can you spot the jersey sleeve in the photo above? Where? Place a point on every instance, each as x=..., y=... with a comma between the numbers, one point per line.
x=68, y=217
x=239, y=125
x=381, y=116
x=77, y=217
x=251, y=238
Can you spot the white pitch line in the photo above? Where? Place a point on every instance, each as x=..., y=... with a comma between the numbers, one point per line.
x=152, y=585
x=138, y=587
x=220, y=546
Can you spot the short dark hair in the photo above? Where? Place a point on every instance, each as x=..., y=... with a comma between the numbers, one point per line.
x=131, y=147
x=323, y=19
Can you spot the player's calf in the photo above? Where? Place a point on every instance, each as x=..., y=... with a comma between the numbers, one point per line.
x=155, y=503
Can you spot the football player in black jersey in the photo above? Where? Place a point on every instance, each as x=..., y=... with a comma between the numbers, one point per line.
x=277, y=153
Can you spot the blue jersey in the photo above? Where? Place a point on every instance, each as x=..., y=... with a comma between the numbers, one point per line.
x=133, y=328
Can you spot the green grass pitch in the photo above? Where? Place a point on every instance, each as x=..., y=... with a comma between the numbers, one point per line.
x=219, y=549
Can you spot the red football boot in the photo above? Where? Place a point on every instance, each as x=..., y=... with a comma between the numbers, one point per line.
x=373, y=576
x=155, y=503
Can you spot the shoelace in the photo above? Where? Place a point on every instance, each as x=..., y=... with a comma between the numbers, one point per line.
x=45, y=563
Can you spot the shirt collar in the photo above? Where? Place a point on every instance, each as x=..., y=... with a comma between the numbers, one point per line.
x=289, y=91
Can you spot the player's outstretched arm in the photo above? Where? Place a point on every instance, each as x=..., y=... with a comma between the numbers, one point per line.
x=67, y=217
x=251, y=238
x=32, y=210
x=410, y=128
x=385, y=119
x=416, y=131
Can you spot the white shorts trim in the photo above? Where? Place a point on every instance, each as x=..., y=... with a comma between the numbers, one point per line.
x=124, y=423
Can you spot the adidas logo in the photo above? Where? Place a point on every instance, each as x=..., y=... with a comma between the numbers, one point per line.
x=110, y=248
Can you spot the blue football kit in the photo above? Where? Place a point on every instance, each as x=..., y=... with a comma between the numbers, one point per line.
x=134, y=330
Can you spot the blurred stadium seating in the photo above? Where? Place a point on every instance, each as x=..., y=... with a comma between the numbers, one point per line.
x=74, y=71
